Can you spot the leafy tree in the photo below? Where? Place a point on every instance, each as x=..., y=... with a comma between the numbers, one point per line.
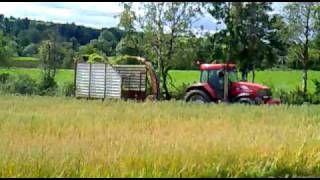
x=68, y=53
x=50, y=60
x=302, y=20
x=68, y=58
x=75, y=43
x=107, y=36
x=126, y=48
x=251, y=36
x=106, y=43
x=2, y=25
x=30, y=50
x=163, y=23
x=88, y=49
x=6, y=50
x=130, y=44
x=96, y=58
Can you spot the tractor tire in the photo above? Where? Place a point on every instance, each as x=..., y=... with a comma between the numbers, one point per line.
x=246, y=101
x=197, y=96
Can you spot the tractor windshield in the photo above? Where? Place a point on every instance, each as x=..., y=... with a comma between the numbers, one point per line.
x=207, y=75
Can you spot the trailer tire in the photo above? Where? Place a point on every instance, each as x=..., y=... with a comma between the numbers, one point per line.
x=197, y=96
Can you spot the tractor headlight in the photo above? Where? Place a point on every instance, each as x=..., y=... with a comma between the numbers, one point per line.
x=264, y=93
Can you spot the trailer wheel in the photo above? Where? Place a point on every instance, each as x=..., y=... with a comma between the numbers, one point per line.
x=197, y=96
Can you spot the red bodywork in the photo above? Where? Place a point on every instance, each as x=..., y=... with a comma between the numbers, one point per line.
x=236, y=88
x=253, y=88
x=206, y=88
x=217, y=66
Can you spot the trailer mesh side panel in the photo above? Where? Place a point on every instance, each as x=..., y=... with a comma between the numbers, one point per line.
x=97, y=81
x=105, y=81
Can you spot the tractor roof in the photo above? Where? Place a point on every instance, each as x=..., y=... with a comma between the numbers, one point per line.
x=216, y=66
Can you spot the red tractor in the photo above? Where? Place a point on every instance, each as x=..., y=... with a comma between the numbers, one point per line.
x=212, y=87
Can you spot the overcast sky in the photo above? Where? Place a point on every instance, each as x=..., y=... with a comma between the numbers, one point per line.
x=92, y=14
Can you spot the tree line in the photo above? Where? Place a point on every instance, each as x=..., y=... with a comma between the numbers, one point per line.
x=24, y=37
x=254, y=37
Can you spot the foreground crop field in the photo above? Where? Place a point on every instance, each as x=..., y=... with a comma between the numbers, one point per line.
x=58, y=137
x=286, y=80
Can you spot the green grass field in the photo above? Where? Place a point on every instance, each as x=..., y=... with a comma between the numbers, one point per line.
x=61, y=137
x=25, y=59
x=287, y=80
x=63, y=75
x=24, y=62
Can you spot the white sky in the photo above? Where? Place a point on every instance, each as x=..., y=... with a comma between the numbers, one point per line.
x=92, y=14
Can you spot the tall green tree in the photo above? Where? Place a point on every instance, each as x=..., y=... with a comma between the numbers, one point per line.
x=251, y=33
x=6, y=50
x=302, y=19
x=50, y=59
x=130, y=43
x=162, y=24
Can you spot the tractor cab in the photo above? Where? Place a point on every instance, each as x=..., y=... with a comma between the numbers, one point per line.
x=212, y=87
x=214, y=75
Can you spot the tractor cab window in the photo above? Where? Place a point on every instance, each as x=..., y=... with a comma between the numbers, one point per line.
x=207, y=76
x=233, y=76
x=216, y=78
x=204, y=76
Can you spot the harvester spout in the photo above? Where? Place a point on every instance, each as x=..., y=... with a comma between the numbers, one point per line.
x=153, y=77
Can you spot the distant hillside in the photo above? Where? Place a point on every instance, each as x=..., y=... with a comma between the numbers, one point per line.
x=26, y=31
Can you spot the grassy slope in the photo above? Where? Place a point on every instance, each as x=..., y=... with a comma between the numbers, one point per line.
x=279, y=79
x=58, y=137
x=62, y=76
x=25, y=59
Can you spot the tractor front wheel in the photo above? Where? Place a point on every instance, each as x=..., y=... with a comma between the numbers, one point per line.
x=246, y=101
x=197, y=96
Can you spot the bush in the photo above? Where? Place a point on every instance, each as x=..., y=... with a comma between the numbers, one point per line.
x=292, y=97
x=180, y=91
x=315, y=98
x=22, y=84
x=317, y=84
x=93, y=58
x=68, y=89
x=47, y=86
x=123, y=60
x=297, y=96
x=4, y=77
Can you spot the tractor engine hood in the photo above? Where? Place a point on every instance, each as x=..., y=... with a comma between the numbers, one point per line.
x=252, y=87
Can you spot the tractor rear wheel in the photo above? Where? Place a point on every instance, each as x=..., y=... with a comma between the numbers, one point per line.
x=197, y=96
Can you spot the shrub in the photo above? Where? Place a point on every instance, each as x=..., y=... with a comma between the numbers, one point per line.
x=292, y=97
x=68, y=89
x=180, y=91
x=315, y=98
x=4, y=77
x=93, y=58
x=297, y=96
x=123, y=60
x=317, y=84
x=47, y=86
x=22, y=84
